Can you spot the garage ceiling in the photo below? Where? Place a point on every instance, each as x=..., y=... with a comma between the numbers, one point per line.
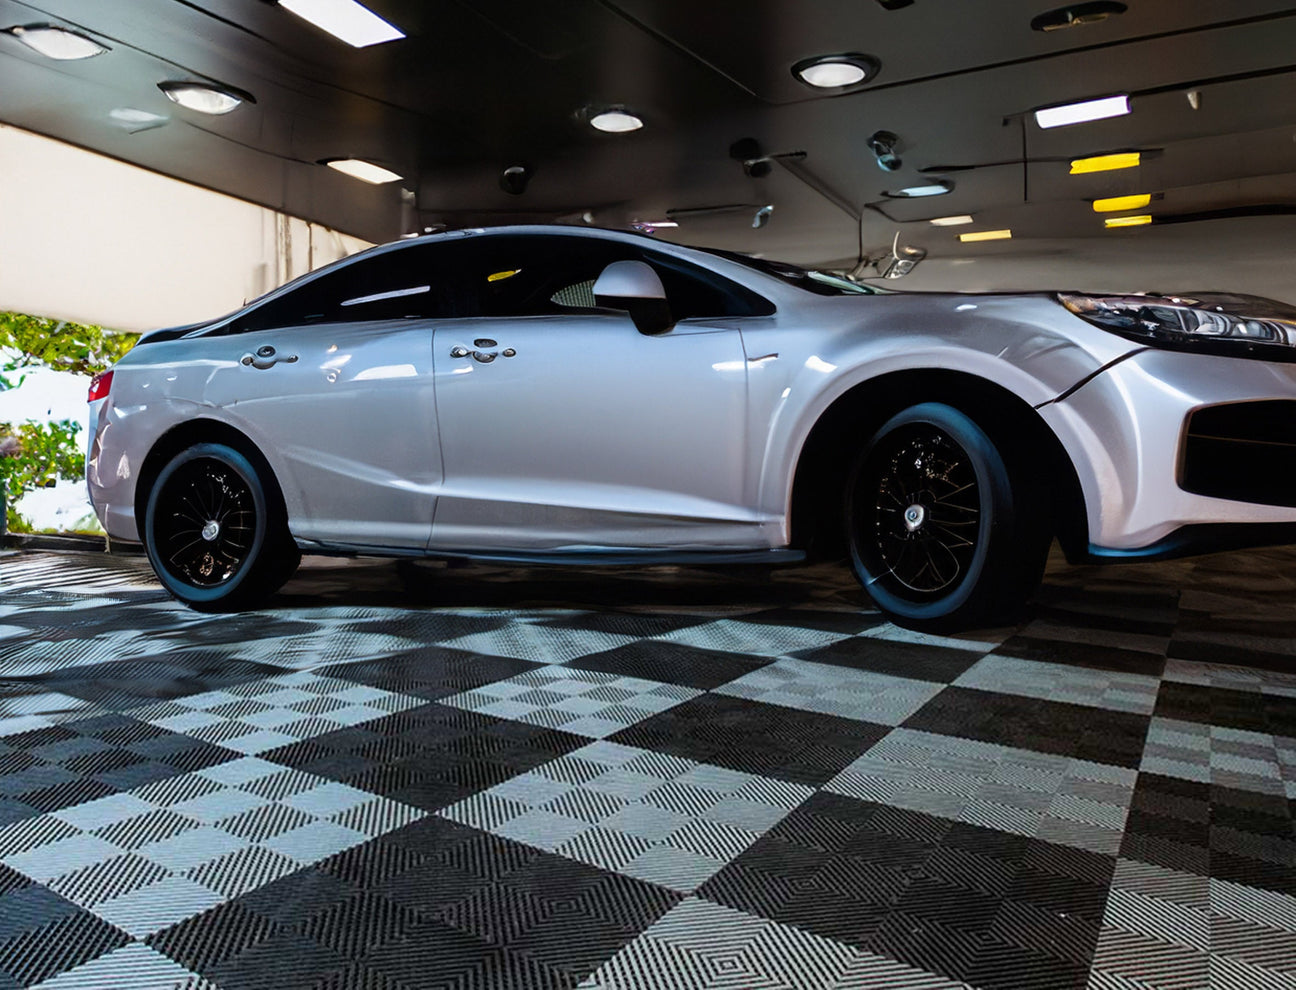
x=478, y=86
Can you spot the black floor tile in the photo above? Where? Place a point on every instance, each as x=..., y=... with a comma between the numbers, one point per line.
x=1248, y=710
x=785, y=743
x=432, y=672
x=1094, y=734
x=43, y=934
x=430, y=756
x=1083, y=655
x=847, y=622
x=672, y=663
x=925, y=663
x=122, y=684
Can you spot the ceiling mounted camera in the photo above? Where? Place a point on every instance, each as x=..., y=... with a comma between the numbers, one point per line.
x=883, y=145
x=514, y=179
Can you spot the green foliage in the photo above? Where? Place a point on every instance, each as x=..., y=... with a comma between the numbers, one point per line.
x=39, y=455
x=77, y=347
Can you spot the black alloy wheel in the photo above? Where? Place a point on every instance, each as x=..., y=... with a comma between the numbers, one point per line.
x=940, y=535
x=215, y=536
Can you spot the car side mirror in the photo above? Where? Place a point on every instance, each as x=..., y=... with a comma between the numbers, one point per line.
x=636, y=288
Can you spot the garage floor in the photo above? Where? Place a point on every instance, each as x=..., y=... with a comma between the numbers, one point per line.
x=475, y=777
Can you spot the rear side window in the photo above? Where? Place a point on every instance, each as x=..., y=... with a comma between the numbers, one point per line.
x=391, y=286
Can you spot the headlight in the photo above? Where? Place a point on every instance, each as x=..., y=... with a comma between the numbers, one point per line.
x=1217, y=323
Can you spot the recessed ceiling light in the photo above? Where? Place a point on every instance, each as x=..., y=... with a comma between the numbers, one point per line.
x=1105, y=163
x=836, y=71
x=346, y=20
x=362, y=170
x=986, y=235
x=950, y=221
x=1117, y=203
x=929, y=189
x=615, y=121
x=204, y=97
x=57, y=42
x=1079, y=113
x=1135, y=221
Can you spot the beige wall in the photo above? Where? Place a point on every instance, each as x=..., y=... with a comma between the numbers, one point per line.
x=87, y=238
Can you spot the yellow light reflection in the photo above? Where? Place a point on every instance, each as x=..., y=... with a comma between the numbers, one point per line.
x=1105, y=163
x=1117, y=203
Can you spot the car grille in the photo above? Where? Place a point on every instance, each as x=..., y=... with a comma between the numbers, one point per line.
x=1245, y=451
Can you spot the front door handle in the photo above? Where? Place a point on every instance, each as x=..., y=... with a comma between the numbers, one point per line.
x=265, y=357
x=481, y=356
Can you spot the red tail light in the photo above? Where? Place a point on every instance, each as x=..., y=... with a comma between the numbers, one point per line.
x=99, y=386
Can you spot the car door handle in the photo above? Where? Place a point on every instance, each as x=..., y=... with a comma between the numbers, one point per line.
x=265, y=357
x=480, y=356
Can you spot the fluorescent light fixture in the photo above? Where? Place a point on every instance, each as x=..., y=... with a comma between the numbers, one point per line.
x=929, y=189
x=346, y=20
x=1118, y=203
x=204, y=97
x=950, y=221
x=836, y=71
x=57, y=42
x=1105, y=163
x=615, y=121
x=1079, y=113
x=362, y=170
x=1135, y=221
x=985, y=235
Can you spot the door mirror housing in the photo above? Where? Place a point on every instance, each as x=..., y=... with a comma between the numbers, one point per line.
x=636, y=288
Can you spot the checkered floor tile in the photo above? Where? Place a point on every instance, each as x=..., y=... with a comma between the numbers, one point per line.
x=407, y=776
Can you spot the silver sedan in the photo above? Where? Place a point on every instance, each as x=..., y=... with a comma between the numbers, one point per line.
x=569, y=395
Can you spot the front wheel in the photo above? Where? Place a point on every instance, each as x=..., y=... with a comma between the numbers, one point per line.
x=942, y=533
x=216, y=537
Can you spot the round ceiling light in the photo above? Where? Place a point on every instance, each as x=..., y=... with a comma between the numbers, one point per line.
x=836, y=71
x=204, y=97
x=57, y=42
x=615, y=120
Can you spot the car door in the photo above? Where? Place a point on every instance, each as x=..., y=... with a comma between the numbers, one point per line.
x=336, y=384
x=571, y=430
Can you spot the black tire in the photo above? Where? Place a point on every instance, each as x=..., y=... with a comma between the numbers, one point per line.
x=216, y=533
x=944, y=533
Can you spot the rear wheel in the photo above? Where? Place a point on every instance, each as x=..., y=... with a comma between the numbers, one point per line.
x=943, y=533
x=216, y=536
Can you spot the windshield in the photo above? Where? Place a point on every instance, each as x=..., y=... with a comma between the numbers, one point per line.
x=821, y=283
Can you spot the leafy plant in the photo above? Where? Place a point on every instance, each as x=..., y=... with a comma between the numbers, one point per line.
x=80, y=348
x=39, y=454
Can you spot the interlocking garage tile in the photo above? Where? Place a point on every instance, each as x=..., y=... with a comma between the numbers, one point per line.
x=132, y=683
x=1252, y=761
x=1054, y=798
x=587, y=703
x=753, y=737
x=971, y=904
x=899, y=659
x=1264, y=712
x=1079, y=654
x=57, y=767
x=633, y=624
x=429, y=756
x=755, y=638
x=539, y=642
x=1243, y=837
x=848, y=621
x=132, y=967
x=1281, y=684
x=1122, y=692
x=43, y=934
x=663, y=819
x=431, y=673
x=671, y=663
x=146, y=859
x=1093, y=734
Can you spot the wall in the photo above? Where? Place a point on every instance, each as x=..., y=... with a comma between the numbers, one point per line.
x=87, y=238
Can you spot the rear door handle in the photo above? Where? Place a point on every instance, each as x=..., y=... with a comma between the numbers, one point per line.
x=265, y=357
x=481, y=356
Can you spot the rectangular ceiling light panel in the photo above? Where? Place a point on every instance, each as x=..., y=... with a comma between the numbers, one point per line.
x=1079, y=113
x=1117, y=203
x=1105, y=163
x=364, y=171
x=985, y=235
x=346, y=20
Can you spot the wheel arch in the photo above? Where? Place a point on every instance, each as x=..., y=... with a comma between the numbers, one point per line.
x=819, y=480
x=195, y=431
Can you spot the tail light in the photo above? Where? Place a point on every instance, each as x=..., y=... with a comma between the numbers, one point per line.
x=99, y=386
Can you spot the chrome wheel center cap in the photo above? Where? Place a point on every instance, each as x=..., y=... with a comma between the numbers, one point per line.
x=913, y=517
x=210, y=531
